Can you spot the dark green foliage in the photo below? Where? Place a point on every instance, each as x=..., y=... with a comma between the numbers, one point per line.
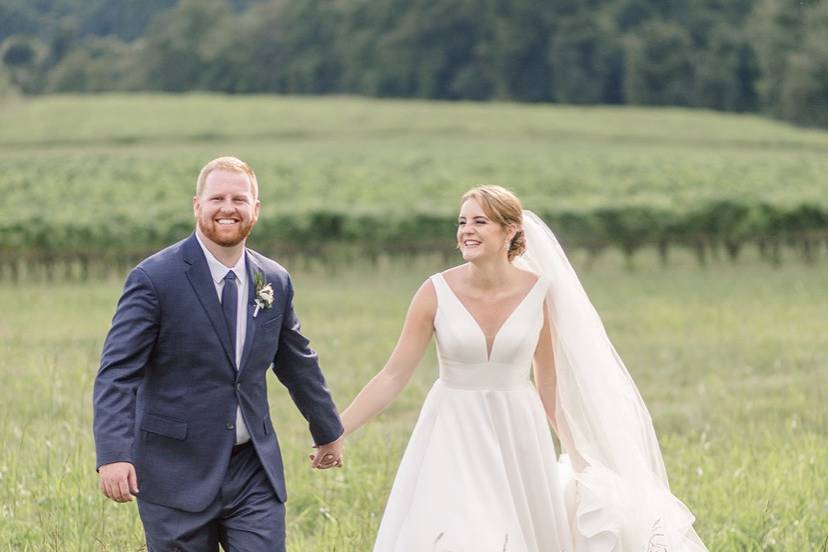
x=125, y=19
x=23, y=57
x=587, y=56
x=726, y=71
x=184, y=48
x=737, y=55
x=659, y=65
x=20, y=52
x=97, y=64
x=804, y=94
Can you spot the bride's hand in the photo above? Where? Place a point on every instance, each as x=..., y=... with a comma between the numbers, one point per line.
x=327, y=456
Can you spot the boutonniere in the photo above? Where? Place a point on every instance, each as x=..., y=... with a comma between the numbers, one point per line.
x=264, y=294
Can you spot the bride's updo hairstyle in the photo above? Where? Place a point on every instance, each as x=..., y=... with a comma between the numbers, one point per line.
x=503, y=207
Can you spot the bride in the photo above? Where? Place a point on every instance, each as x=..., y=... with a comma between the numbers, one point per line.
x=480, y=472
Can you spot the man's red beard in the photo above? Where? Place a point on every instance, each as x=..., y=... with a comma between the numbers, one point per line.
x=212, y=231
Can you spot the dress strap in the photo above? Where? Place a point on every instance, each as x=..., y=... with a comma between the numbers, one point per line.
x=441, y=288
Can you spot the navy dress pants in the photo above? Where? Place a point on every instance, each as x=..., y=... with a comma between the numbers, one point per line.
x=246, y=516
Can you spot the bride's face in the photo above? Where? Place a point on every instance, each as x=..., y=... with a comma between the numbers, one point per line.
x=479, y=237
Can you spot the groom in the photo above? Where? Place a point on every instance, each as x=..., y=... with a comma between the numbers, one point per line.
x=180, y=400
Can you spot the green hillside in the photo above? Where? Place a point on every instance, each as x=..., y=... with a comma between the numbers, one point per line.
x=111, y=177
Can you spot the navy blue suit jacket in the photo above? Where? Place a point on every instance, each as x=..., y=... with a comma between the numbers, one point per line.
x=166, y=393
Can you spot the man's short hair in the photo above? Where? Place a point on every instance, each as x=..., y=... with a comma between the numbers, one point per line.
x=227, y=163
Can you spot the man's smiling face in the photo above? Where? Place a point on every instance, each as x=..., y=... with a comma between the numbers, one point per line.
x=226, y=209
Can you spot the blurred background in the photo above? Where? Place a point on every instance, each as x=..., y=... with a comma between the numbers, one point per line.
x=767, y=56
x=677, y=148
x=620, y=175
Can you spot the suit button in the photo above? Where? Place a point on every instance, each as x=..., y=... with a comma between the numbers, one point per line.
x=230, y=426
x=238, y=386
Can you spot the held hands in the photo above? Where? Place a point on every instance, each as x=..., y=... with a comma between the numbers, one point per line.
x=328, y=456
x=118, y=481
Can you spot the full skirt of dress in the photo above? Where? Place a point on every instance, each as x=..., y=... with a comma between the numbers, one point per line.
x=479, y=474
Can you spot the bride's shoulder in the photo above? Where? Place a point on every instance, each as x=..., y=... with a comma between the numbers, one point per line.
x=526, y=278
x=437, y=284
x=450, y=275
x=453, y=271
x=424, y=302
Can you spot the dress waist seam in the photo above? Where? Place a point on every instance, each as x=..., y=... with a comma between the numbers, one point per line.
x=507, y=387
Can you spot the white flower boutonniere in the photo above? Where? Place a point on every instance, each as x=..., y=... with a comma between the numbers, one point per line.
x=264, y=294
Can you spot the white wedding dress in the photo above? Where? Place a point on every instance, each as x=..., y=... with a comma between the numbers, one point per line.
x=480, y=473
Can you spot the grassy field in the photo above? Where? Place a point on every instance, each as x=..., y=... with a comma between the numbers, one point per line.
x=731, y=360
x=362, y=153
x=117, y=172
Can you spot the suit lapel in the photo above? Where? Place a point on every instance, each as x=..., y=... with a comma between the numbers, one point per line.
x=198, y=274
x=250, y=333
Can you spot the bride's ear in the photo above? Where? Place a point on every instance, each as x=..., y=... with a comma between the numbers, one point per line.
x=512, y=231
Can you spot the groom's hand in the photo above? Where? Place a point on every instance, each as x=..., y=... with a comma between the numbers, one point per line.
x=118, y=481
x=328, y=456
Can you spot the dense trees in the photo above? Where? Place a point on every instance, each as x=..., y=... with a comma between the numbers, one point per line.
x=733, y=55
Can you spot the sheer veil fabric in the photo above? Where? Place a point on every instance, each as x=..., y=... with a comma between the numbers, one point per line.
x=618, y=496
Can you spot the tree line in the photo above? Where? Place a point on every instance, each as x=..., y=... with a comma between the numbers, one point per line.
x=769, y=56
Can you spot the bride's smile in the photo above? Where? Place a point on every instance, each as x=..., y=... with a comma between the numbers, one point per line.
x=477, y=236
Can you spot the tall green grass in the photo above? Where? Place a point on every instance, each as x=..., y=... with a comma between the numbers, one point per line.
x=731, y=361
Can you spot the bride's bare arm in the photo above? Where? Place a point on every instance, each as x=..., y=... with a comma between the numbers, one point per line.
x=387, y=384
x=544, y=366
x=547, y=385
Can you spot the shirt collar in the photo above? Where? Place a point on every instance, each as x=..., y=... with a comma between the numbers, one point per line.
x=217, y=270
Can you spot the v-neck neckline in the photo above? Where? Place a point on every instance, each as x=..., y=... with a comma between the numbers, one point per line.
x=490, y=349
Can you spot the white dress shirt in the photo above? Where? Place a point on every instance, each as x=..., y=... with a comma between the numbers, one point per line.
x=217, y=272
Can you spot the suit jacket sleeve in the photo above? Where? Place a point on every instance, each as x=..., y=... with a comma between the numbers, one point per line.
x=127, y=349
x=297, y=367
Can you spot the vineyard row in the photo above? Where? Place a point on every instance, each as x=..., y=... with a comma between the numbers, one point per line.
x=42, y=247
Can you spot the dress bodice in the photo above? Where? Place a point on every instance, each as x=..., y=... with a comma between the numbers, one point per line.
x=464, y=360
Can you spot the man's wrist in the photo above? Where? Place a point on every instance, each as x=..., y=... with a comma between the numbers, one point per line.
x=113, y=458
x=339, y=438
